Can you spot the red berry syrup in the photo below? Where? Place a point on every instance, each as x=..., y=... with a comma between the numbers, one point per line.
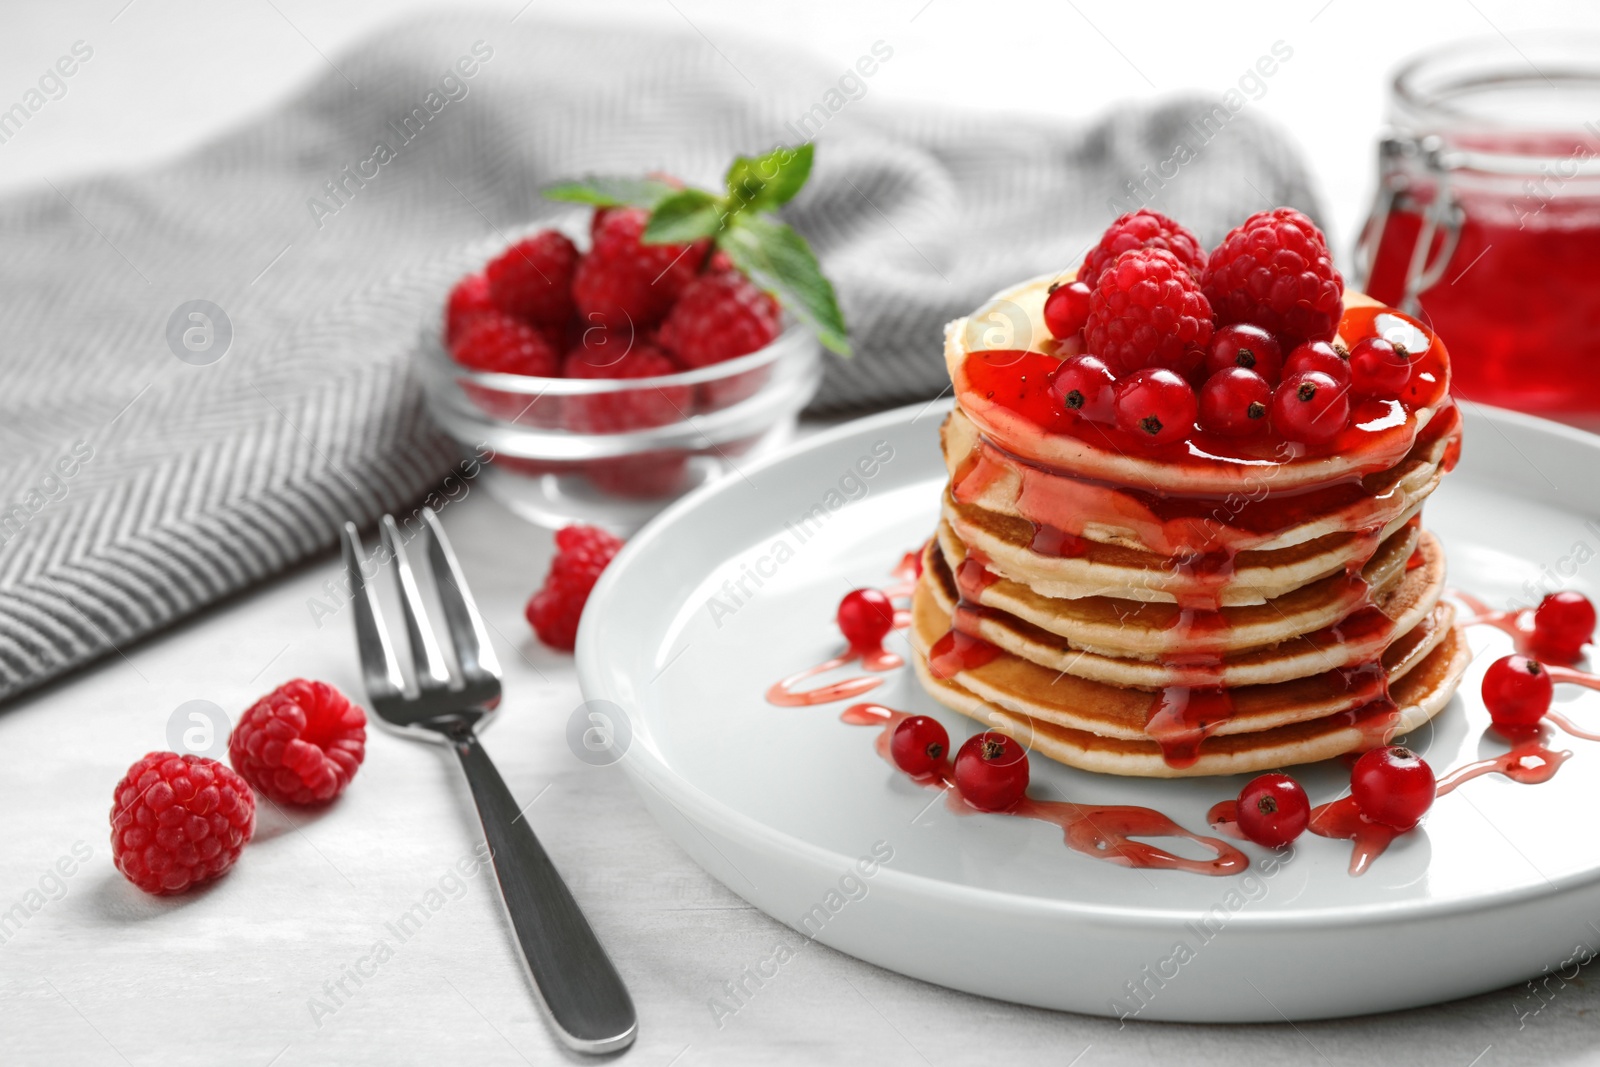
x=1114, y=833
x=1517, y=299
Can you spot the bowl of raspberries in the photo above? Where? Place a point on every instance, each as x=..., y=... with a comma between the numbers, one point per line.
x=604, y=375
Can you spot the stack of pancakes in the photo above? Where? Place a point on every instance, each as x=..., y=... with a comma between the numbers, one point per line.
x=1135, y=617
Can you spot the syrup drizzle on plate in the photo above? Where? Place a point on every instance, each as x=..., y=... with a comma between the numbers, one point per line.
x=875, y=659
x=1106, y=832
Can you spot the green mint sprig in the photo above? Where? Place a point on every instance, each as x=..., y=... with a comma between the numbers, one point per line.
x=741, y=223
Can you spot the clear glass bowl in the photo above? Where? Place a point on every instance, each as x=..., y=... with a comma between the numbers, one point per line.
x=614, y=452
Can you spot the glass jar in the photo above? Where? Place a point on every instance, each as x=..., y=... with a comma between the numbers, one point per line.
x=1486, y=222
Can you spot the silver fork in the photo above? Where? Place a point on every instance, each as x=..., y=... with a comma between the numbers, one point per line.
x=581, y=990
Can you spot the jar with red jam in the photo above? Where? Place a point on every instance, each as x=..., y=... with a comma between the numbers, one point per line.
x=1486, y=223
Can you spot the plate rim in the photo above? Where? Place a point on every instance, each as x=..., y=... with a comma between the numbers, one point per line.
x=653, y=771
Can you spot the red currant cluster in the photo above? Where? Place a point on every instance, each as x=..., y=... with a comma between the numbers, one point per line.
x=1517, y=689
x=1162, y=340
x=1391, y=786
x=990, y=771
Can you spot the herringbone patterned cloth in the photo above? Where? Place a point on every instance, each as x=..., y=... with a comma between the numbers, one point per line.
x=141, y=487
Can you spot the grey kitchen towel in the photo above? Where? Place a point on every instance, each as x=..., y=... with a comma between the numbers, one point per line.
x=153, y=462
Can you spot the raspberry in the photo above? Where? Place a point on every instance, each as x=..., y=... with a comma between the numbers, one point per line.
x=300, y=744
x=533, y=278
x=495, y=341
x=178, y=821
x=1148, y=311
x=582, y=552
x=635, y=409
x=1142, y=229
x=643, y=475
x=468, y=300
x=1275, y=271
x=720, y=317
x=623, y=283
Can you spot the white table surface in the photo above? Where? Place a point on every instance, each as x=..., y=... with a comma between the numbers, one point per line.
x=104, y=974
x=233, y=974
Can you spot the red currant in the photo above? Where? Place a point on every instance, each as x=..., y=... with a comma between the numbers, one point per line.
x=1393, y=786
x=865, y=618
x=1379, y=369
x=1083, y=385
x=1310, y=407
x=1322, y=356
x=1066, y=309
x=1273, y=810
x=1156, y=405
x=1562, y=624
x=1234, y=401
x=992, y=771
x=918, y=745
x=1247, y=346
x=1517, y=691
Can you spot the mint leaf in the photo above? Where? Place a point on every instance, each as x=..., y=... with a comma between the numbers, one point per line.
x=766, y=183
x=610, y=191
x=686, y=215
x=779, y=260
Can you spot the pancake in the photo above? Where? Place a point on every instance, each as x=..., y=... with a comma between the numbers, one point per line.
x=1251, y=577
x=1357, y=638
x=1200, y=606
x=1020, y=311
x=985, y=476
x=1137, y=629
x=1420, y=694
x=1018, y=684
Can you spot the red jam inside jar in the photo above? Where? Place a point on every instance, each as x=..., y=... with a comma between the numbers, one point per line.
x=1487, y=221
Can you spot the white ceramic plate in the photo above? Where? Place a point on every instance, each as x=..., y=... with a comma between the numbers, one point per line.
x=788, y=806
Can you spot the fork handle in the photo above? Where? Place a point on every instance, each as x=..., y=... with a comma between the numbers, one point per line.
x=575, y=978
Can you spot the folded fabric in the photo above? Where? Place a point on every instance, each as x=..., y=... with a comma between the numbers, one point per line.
x=207, y=363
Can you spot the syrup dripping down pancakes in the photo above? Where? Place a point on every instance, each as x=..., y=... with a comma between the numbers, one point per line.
x=1215, y=606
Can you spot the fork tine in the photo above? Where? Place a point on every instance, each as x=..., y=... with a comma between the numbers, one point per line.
x=426, y=658
x=379, y=667
x=467, y=631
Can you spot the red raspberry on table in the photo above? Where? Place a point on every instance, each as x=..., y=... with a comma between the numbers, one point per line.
x=720, y=317
x=1147, y=311
x=468, y=300
x=1142, y=229
x=533, y=278
x=494, y=341
x=178, y=821
x=635, y=409
x=582, y=552
x=1274, y=271
x=300, y=744
x=624, y=283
